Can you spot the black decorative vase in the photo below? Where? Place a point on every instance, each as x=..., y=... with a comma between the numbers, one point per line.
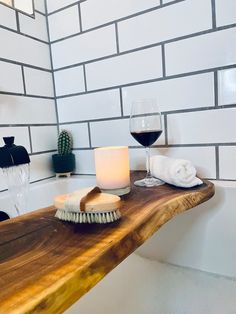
x=63, y=164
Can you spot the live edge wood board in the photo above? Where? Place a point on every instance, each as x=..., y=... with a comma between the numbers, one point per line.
x=46, y=264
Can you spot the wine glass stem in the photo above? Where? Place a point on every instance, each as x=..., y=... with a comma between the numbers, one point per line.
x=148, y=163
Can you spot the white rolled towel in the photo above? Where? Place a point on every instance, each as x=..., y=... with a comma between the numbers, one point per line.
x=179, y=172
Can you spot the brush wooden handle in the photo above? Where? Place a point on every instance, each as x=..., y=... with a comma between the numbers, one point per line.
x=89, y=200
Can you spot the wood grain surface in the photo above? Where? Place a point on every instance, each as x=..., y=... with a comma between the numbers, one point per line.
x=46, y=264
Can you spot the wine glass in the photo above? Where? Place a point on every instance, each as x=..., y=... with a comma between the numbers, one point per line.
x=146, y=127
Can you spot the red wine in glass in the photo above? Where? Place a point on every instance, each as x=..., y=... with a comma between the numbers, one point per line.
x=146, y=128
x=146, y=138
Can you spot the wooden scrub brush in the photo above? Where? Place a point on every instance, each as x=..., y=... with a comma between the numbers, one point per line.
x=88, y=205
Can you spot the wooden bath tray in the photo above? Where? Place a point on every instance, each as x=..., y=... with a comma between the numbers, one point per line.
x=46, y=264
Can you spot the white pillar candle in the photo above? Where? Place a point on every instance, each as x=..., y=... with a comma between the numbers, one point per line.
x=112, y=168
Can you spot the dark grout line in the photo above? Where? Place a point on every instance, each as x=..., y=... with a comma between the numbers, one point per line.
x=30, y=139
x=26, y=95
x=216, y=93
x=117, y=38
x=217, y=162
x=25, y=64
x=27, y=124
x=80, y=18
x=89, y=135
x=43, y=152
x=23, y=79
x=85, y=79
x=213, y=8
x=17, y=22
x=163, y=146
x=121, y=103
x=39, y=12
x=20, y=33
x=163, y=60
x=166, y=129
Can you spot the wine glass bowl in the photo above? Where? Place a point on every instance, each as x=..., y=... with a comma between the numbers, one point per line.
x=146, y=128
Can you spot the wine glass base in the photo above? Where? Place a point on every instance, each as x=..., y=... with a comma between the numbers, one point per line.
x=149, y=182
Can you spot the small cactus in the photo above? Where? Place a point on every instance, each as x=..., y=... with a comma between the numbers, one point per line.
x=64, y=143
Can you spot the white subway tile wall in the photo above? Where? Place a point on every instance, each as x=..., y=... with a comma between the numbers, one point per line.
x=80, y=134
x=108, y=54
x=127, y=68
x=43, y=138
x=195, y=91
x=103, y=11
x=7, y=17
x=34, y=27
x=7, y=83
x=181, y=52
x=90, y=106
x=84, y=47
x=210, y=50
x=38, y=82
x=59, y=26
x=227, y=87
x=227, y=157
x=27, y=99
x=69, y=81
x=207, y=126
x=225, y=12
x=165, y=24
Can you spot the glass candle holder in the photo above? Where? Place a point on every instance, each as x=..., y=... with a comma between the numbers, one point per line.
x=112, y=169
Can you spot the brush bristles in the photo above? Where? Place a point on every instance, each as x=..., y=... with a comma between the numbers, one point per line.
x=83, y=217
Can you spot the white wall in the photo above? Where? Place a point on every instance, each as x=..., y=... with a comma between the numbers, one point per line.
x=27, y=104
x=108, y=53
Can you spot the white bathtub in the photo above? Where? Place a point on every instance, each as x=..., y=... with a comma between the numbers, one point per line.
x=201, y=242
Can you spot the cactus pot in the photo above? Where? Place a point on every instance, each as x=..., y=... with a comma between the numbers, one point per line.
x=63, y=163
